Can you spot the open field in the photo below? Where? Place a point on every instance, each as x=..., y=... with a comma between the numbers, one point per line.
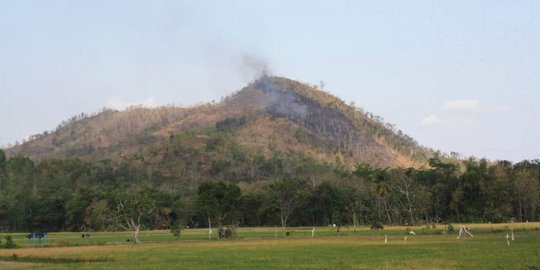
x=258, y=248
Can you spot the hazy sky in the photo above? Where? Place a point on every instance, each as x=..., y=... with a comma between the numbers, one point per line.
x=458, y=76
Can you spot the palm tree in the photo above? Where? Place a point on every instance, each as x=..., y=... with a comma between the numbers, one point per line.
x=384, y=190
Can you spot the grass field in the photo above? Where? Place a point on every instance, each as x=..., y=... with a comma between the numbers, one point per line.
x=259, y=248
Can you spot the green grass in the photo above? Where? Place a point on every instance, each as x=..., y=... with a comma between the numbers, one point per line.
x=257, y=248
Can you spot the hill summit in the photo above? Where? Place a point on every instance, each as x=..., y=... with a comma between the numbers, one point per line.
x=268, y=115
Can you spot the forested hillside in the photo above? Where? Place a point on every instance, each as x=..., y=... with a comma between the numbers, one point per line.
x=284, y=189
x=277, y=152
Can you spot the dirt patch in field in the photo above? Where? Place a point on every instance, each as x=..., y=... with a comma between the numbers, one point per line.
x=16, y=265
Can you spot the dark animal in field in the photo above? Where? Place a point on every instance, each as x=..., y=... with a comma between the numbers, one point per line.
x=377, y=226
x=86, y=235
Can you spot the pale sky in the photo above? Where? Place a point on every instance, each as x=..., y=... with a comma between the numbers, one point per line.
x=459, y=76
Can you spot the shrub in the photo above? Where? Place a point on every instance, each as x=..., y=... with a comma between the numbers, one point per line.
x=9, y=243
x=176, y=230
x=227, y=233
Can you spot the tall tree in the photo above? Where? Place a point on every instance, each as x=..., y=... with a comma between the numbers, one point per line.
x=217, y=200
x=2, y=169
x=328, y=204
x=527, y=191
x=132, y=208
x=282, y=198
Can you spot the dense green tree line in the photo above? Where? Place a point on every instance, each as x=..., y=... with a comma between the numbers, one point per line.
x=216, y=182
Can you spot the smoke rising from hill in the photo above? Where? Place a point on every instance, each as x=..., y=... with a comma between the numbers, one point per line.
x=252, y=66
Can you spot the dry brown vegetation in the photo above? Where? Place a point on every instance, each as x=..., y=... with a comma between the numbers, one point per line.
x=276, y=114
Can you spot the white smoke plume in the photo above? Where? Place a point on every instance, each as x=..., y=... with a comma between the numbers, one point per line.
x=253, y=66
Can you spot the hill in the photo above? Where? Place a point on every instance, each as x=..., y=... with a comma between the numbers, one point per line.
x=268, y=115
x=273, y=150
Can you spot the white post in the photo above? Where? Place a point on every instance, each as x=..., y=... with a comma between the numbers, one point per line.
x=385, y=239
x=507, y=242
x=313, y=232
x=209, y=228
x=405, y=240
x=354, y=221
x=512, y=234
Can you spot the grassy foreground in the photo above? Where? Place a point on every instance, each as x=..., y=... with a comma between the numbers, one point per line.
x=258, y=248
